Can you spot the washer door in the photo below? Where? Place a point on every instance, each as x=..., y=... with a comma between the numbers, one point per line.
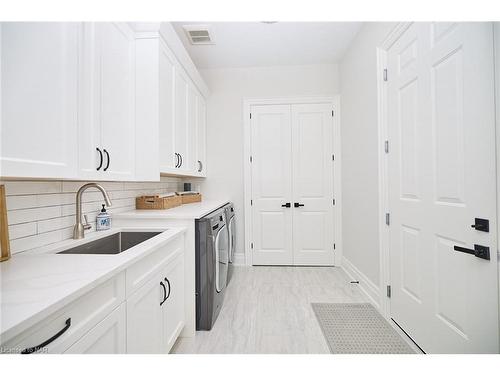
x=221, y=248
x=232, y=238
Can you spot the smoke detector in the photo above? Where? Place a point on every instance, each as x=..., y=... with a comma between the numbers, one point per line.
x=199, y=34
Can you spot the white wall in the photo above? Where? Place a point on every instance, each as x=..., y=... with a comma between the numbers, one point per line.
x=359, y=128
x=225, y=120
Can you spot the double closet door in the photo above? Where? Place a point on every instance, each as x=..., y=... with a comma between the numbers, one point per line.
x=292, y=184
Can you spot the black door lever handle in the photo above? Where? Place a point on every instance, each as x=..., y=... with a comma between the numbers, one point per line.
x=298, y=205
x=479, y=251
x=287, y=205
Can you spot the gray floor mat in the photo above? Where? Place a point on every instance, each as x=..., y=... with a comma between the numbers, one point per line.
x=358, y=328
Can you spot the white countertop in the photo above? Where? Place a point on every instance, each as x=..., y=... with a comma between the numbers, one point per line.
x=186, y=211
x=35, y=285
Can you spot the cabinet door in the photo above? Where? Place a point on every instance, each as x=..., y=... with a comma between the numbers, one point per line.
x=107, y=337
x=180, y=113
x=174, y=312
x=201, y=137
x=167, y=94
x=144, y=318
x=191, y=159
x=116, y=97
x=107, y=126
x=39, y=99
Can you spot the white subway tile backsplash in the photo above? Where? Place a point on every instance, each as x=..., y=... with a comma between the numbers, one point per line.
x=32, y=187
x=33, y=214
x=43, y=212
x=22, y=230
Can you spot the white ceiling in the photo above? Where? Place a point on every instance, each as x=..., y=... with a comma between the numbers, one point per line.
x=244, y=44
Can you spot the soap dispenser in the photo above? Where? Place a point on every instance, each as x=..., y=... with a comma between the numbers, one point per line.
x=103, y=220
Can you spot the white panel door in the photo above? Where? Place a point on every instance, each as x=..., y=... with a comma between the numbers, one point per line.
x=442, y=177
x=39, y=65
x=312, y=149
x=271, y=185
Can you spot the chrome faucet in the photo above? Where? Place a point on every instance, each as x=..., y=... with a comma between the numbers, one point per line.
x=79, y=229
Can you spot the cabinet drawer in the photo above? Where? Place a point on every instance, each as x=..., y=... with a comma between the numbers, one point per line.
x=107, y=337
x=71, y=322
x=140, y=272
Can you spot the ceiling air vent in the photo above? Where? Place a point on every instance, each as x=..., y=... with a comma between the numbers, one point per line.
x=199, y=34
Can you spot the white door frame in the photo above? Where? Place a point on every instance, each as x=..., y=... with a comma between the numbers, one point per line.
x=335, y=102
x=382, y=50
x=383, y=126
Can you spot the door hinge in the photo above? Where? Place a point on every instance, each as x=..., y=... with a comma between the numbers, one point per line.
x=251, y=159
x=387, y=219
x=385, y=74
x=386, y=146
x=251, y=245
x=388, y=291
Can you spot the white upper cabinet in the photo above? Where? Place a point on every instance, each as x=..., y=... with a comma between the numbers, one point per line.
x=168, y=158
x=107, y=129
x=201, y=136
x=39, y=77
x=181, y=135
x=99, y=101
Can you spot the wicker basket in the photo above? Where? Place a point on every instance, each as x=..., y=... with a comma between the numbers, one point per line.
x=154, y=202
x=193, y=198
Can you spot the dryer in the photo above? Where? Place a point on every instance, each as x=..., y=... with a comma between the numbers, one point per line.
x=212, y=252
x=231, y=226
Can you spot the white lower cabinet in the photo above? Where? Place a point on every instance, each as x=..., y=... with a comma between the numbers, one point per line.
x=140, y=310
x=155, y=312
x=174, y=313
x=107, y=337
x=144, y=318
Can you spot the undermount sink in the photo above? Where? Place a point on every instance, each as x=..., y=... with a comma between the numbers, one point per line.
x=114, y=244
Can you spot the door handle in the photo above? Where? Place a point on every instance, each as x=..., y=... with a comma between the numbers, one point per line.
x=200, y=165
x=101, y=158
x=109, y=160
x=177, y=160
x=287, y=205
x=180, y=156
x=298, y=205
x=169, y=288
x=164, y=293
x=479, y=251
x=482, y=225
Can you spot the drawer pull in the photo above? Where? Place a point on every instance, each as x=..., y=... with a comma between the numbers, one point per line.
x=34, y=349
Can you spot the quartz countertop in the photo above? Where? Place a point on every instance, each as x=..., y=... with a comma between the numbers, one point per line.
x=36, y=284
x=186, y=211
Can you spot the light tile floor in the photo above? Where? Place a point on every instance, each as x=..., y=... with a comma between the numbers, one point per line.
x=268, y=310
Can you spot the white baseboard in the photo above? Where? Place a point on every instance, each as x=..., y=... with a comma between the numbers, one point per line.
x=239, y=259
x=365, y=284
